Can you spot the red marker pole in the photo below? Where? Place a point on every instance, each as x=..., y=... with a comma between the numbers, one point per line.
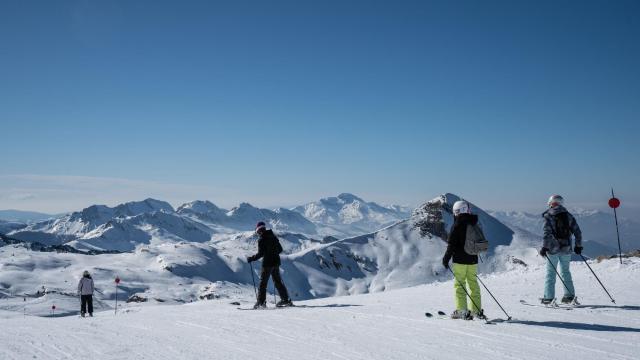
x=53, y=311
x=117, y=282
x=614, y=203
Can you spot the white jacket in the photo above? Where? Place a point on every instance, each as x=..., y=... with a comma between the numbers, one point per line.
x=85, y=286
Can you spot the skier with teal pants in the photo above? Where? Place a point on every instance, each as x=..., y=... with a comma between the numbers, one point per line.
x=465, y=266
x=559, y=227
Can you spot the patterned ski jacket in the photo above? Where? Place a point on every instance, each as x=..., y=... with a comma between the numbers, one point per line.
x=555, y=245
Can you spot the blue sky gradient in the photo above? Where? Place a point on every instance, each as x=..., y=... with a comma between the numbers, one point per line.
x=279, y=103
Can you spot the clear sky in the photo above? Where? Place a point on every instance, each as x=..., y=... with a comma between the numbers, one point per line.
x=279, y=103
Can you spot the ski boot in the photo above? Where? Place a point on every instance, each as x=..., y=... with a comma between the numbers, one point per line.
x=284, y=303
x=259, y=305
x=546, y=302
x=478, y=314
x=462, y=314
x=570, y=300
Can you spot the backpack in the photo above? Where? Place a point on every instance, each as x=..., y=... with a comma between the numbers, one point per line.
x=475, y=242
x=562, y=228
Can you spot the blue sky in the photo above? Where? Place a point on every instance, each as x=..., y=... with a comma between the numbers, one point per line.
x=279, y=103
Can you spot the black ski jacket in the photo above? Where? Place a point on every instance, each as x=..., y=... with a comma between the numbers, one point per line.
x=457, y=237
x=268, y=247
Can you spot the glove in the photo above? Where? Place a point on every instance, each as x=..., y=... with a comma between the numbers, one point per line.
x=445, y=262
x=578, y=250
x=543, y=251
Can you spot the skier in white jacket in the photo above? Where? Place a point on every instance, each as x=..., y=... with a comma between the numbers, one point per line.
x=85, y=290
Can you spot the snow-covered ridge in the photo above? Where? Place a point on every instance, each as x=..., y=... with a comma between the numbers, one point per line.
x=123, y=227
x=77, y=224
x=245, y=216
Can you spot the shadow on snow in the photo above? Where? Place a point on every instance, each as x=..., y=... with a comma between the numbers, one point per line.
x=326, y=306
x=616, y=307
x=576, y=326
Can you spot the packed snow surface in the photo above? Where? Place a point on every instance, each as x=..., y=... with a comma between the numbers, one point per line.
x=383, y=325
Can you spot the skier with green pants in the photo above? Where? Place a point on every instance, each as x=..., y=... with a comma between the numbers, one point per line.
x=465, y=266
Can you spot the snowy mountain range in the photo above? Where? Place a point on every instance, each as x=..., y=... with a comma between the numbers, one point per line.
x=176, y=255
x=125, y=226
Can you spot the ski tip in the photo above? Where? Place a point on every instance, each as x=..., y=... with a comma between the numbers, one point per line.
x=428, y=315
x=442, y=313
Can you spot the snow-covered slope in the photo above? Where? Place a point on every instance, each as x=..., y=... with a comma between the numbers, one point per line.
x=389, y=325
x=125, y=234
x=350, y=215
x=9, y=226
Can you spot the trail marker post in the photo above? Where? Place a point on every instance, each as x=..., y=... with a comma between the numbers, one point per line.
x=117, y=281
x=614, y=203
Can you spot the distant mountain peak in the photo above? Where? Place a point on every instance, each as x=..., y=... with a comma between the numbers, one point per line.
x=199, y=206
x=348, y=197
x=348, y=214
x=146, y=205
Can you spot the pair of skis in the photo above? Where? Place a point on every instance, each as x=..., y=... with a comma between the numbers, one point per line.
x=267, y=308
x=553, y=305
x=442, y=315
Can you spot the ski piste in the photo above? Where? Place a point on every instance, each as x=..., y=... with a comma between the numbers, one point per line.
x=553, y=305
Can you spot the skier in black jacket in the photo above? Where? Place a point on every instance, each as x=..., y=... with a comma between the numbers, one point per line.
x=269, y=249
x=465, y=266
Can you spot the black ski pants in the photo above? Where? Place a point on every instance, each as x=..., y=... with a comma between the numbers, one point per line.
x=86, y=301
x=277, y=280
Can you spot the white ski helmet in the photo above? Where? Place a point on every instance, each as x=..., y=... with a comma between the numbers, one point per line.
x=461, y=207
x=555, y=200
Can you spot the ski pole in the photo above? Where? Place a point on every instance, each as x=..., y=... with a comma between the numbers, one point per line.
x=494, y=298
x=594, y=274
x=253, y=280
x=481, y=315
x=557, y=273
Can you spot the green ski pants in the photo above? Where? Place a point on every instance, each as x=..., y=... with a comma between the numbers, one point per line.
x=465, y=275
